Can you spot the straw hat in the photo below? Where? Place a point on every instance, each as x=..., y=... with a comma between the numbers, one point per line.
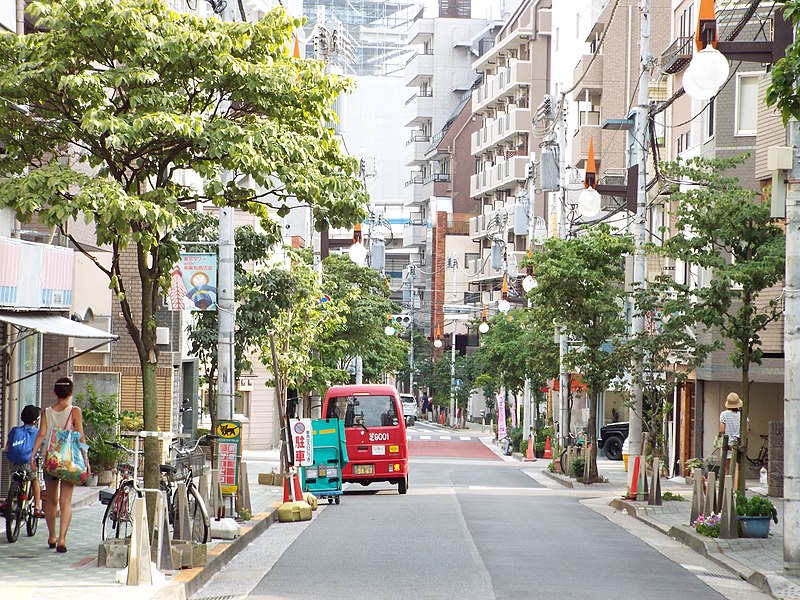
x=733, y=401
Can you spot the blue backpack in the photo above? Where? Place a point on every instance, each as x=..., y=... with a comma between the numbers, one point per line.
x=21, y=443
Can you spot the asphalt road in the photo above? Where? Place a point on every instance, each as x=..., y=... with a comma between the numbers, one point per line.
x=471, y=526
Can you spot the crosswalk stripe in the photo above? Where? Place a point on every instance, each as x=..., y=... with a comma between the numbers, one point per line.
x=424, y=437
x=465, y=437
x=445, y=437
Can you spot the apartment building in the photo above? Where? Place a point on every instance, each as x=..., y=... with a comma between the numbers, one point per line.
x=735, y=122
x=515, y=78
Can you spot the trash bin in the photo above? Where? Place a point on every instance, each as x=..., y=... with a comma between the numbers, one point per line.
x=625, y=452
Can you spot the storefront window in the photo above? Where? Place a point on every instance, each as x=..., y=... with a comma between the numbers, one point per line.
x=30, y=361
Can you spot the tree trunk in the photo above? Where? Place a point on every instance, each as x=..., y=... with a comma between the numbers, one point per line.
x=590, y=474
x=745, y=411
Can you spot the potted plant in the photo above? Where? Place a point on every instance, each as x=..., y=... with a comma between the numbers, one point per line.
x=693, y=465
x=100, y=419
x=754, y=515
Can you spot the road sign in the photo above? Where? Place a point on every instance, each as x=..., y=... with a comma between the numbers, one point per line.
x=302, y=442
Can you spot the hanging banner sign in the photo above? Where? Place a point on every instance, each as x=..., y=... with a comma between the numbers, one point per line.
x=501, y=416
x=194, y=282
x=302, y=442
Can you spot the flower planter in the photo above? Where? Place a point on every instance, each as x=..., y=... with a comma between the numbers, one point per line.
x=755, y=527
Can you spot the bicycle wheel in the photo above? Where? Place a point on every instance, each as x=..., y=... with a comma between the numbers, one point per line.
x=562, y=461
x=13, y=511
x=31, y=520
x=118, y=518
x=198, y=515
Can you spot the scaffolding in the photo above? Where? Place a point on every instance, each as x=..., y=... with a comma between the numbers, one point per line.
x=375, y=32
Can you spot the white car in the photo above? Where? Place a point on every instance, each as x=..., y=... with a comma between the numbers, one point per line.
x=409, y=408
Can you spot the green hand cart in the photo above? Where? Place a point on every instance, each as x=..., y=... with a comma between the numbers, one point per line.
x=324, y=477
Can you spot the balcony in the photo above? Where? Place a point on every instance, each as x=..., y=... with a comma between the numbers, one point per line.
x=416, y=147
x=421, y=31
x=479, y=183
x=593, y=81
x=413, y=191
x=677, y=55
x=500, y=130
x=35, y=276
x=418, y=69
x=437, y=184
x=419, y=108
x=415, y=234
x=504, y=84
x=508, y=173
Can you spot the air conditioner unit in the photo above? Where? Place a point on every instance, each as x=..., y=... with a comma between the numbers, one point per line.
x=162, y=336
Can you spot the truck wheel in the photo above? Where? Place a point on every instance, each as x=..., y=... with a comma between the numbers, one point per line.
x=612, y=448
x=402, y=486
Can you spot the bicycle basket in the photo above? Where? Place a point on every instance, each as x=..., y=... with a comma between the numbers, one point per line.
x=196, y=460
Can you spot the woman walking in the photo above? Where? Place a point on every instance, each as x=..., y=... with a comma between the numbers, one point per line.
x=59, y=492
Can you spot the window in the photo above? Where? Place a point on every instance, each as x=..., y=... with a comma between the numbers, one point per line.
x=746, y=104
x=710, y=119
x=30, y=361
x=241, y=403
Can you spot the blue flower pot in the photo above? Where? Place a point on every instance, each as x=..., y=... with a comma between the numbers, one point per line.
x=755, y=527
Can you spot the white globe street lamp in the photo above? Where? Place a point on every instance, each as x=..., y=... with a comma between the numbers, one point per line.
x=504, y=306
x=589, y=203
x=483, y=327
x=389, y=330
x=708, y=70
x=437, y=343
x=529, y=283
x=695, y=91
x=358, y=254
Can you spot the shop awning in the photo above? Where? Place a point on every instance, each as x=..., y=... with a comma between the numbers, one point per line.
x=54, y=325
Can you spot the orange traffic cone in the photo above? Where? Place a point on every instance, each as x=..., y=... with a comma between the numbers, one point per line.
x=529, y=453
x=287, y=493
x=548, y=451
x=298, y=490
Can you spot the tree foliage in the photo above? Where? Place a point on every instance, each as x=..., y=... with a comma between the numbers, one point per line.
x=725, y=229
x=782, y=92
x=109, y=102
x=580, y=286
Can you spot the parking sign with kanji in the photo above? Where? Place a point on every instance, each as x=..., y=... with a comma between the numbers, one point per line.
x=301, y=440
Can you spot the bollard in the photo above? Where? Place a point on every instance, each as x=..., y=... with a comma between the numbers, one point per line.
x=711, y=494
x=654, y=497
x=182, y=525
x=202, y=487
x=697, y=498
x=139, y=569
x=728, y=525
x=160, y=543
x=243, y=495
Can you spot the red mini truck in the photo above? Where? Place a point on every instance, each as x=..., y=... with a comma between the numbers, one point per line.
x=375, y=432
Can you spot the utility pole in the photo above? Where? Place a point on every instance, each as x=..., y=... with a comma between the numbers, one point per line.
x=638, y=228
x=791, y=374
x=527, y=415
x=563, y=376
x=226, y=315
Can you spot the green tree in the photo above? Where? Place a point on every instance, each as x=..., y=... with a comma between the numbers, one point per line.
x=366, y=293
x=517, y=346
x=726, y=229
x=782, y=92
x=668, y=349
x=580, y=285
x=122, y=96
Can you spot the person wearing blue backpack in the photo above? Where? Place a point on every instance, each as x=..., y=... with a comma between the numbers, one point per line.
x=19, y=447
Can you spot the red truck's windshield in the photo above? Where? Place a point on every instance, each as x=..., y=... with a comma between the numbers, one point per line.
x=369, y=411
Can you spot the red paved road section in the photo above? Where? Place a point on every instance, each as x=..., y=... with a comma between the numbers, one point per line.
x=462, y=449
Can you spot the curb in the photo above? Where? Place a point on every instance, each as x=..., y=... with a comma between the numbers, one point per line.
x=189, y=581
x=770, y=583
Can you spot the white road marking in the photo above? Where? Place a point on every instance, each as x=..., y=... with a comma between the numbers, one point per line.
x=445, y=437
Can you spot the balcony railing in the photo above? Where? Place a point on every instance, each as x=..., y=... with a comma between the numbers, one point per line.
x=677, y=55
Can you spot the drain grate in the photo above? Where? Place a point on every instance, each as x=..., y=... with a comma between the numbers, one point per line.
x=719, y=576
x=217, y=598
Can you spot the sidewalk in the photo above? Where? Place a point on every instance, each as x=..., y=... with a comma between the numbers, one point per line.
x=758, y=561
x=29, y=570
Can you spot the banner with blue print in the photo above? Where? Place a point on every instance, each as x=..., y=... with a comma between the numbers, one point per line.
x=194, y=282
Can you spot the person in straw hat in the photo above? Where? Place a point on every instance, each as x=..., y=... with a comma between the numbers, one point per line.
x=731, y=418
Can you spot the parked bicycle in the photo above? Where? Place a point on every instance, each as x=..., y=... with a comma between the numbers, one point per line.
x=20, y=505
x=117, y=520
x=763, y=454
x=198, y=512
